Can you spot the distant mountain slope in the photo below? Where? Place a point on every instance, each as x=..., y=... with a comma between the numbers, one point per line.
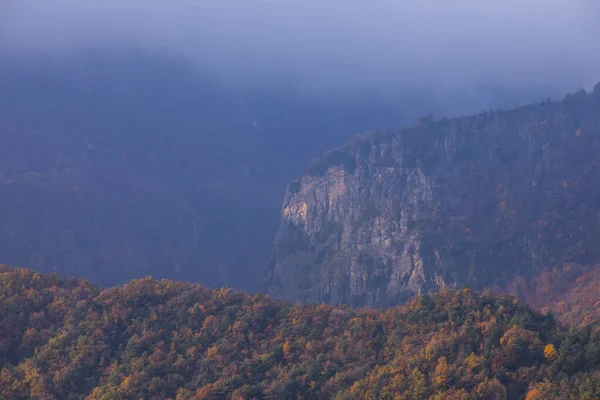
x=67, y=339
x=119, y=166
x=475, y=200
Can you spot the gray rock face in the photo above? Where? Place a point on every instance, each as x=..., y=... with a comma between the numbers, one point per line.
x=473, y=200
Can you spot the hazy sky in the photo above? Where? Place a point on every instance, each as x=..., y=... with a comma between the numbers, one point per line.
x=334, y=43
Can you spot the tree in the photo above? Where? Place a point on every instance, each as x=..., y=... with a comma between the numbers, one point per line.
x=550, y=352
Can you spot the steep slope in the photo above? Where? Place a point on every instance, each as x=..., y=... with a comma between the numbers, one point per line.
x=67, y=339
x=474, y=200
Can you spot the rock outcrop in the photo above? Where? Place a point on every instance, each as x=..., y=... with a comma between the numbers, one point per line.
x=474, y=200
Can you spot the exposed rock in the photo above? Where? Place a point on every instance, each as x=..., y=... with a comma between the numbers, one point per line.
x=473, y=200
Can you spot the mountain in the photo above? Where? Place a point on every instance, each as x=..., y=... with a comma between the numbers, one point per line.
x=123, y=163
x=477, y=200
x=68, y=339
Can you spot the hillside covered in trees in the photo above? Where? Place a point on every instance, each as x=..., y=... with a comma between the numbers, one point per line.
x=68, y=339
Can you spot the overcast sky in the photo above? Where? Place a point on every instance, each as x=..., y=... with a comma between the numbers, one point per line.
x=332, y=44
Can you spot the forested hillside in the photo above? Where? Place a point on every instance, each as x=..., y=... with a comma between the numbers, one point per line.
x=68, y=339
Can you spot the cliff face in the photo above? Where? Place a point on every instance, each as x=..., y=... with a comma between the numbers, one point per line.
x=473, y=200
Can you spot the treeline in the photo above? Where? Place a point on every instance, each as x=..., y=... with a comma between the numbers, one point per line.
x=68, y=339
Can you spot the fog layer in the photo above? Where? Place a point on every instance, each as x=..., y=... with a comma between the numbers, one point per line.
x=351, y=44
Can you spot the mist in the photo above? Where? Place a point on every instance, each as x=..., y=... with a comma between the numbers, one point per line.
x=380, y=45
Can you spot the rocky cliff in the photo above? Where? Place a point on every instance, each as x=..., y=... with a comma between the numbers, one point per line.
x=474, y=200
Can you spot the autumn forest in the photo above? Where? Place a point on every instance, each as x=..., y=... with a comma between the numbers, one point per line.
x=68, y=339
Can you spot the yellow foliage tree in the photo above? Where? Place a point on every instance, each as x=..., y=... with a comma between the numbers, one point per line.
x=287, y=349
x=533, y=394
x=550, y=352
